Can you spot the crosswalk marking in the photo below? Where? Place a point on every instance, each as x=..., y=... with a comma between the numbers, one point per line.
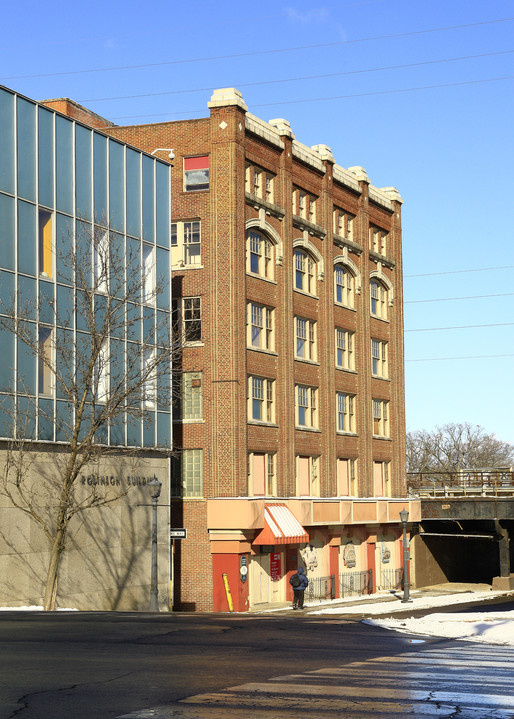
x=475, y=683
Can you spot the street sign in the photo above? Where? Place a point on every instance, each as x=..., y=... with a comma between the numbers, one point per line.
x=178, y=533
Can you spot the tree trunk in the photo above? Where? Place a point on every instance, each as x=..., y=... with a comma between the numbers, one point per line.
x=53, y=569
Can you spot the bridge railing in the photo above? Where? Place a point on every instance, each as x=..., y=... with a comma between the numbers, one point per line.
x=464, y=483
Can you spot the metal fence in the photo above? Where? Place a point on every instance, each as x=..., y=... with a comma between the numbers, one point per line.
x=354, y=583
x=390, y=579
x=321, y=588
x=464, y=483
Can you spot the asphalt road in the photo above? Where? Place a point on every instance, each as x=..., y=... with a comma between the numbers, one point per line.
x=101, y=666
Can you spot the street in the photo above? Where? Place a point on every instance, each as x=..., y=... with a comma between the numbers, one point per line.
x=85, y=665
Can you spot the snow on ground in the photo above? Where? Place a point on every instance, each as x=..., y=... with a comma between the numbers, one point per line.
x=487, y=627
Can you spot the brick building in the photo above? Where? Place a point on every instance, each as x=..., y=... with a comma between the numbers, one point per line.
x=287, y=286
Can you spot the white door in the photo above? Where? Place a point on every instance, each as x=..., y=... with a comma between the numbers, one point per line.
x=259, y=579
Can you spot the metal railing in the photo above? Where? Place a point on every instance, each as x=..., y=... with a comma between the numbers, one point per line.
x=390, y=579
x=354, y=583
x=464, y=483
x=321, y=588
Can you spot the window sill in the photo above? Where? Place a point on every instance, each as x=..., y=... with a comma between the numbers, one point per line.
x=307, y=361
x=380, y=319
x=177, y=267
x=306, y=294
x=194, y=344
x=379, y=436
x=262, y=350
x=188, y=421
x=344, y=307
x=378, y=376
x=259, y=423
x=346, y=434
x=346, y=369
x=307, y=429
x=261, y=277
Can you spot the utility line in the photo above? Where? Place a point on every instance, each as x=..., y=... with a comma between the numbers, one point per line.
x=462, y=327
x=333, y=97
x=261, y=52
x=456, y=272
x=445, y=359
x=449, y=299
x=301, y=79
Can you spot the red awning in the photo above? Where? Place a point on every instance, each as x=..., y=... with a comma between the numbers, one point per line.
x=280, y=527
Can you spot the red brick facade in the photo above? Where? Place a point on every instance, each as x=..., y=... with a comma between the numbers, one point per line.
x=227, y=210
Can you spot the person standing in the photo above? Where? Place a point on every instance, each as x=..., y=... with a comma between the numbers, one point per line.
x=299, y=582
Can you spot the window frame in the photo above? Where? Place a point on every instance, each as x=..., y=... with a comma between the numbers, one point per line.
x=261, y=399
x=305, y=267
x=345, y=413
x=265, y=330
x=260, y=247
x=378, y=299
x=195, y=161
x=306, y=407
x=305, y=332
x=380, y=417
x=181, y=256
x=345, y=351
x=270, y=474
x=344, y=291
x=379, y=359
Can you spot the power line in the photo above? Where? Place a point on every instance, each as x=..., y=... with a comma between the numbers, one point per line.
x=333, y=97
x=445, y=359
x=462, y=327
x=260, y=52
x=456, y=272
x=301, y=79
x=449, y=299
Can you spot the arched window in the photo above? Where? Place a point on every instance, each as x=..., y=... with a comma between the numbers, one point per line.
x=344, y=286
x=304, y=272
x=378, y=294
x=259, y=255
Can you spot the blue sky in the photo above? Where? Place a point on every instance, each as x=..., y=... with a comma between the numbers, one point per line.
x=439, y=128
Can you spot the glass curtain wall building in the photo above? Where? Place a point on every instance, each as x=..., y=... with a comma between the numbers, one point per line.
x=60, y=183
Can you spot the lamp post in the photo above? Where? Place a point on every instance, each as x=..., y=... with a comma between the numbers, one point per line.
x=404, y=516
x=155, y=492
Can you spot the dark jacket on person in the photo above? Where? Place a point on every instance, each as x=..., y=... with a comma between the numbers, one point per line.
x=304, y=582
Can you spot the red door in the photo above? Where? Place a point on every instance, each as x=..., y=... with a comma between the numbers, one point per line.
x=371, y=564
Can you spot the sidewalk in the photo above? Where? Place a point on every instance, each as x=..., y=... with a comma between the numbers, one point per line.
x=388, y=602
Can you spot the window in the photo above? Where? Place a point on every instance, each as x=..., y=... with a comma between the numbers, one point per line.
x=150, y=378
x=307, y=476
x=148, y=273
x=100, y=260
x=186, y=243
x=347, y=478
x=259, y=182
x=344, y=283
x=260, y=399
x=343, y=223
x=381, y=479
x=260, y=327
x=378, y=299
x=305, y=332
x=345, y=412
x=304, y=267
x=45, y=360
x=45, y=243
x=187, y=474
x=306, y=406
x=380, y=418
x=188, y=318
x=259, y=259
x=101, y=374
x=304, y=204
x=196, y=173
x=262, y=480
x=191, y=396
x=345, y=358
x=377, y=240
x=379, y=366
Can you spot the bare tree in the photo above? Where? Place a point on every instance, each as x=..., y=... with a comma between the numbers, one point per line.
x=113, y=368
x=453, y=447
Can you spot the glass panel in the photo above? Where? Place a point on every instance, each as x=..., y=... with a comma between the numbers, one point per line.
x=7, y=363
x=63, y=248
x=162, y=278
x=64, y=164
x=133, y=186
x=26, y=418
x=7, y=280
x=46, y=302
x=6, y=416
x=46, y=157
x=84, y=234
x=149, y=430
x=64, y=415
x=26, y=238
x=6, y=229
x=163, y=430
x=27, y=298
x=116, y=189
x=83, y=180
x=162, y=205
x=27, y=362
x=65, y=306
x=6, y=141
x=26, y=149
x=118, y=430
x=46, y=419
x=64, y=360
x=133, y=431
x=148, y=200
x=100, y=178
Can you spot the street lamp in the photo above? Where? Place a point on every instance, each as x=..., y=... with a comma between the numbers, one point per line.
x=404, y=516
x=155, y=492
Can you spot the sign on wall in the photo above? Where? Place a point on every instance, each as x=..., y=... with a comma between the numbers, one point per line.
x=275, y=566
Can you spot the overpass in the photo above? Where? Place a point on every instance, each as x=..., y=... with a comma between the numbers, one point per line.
x=467, y=518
